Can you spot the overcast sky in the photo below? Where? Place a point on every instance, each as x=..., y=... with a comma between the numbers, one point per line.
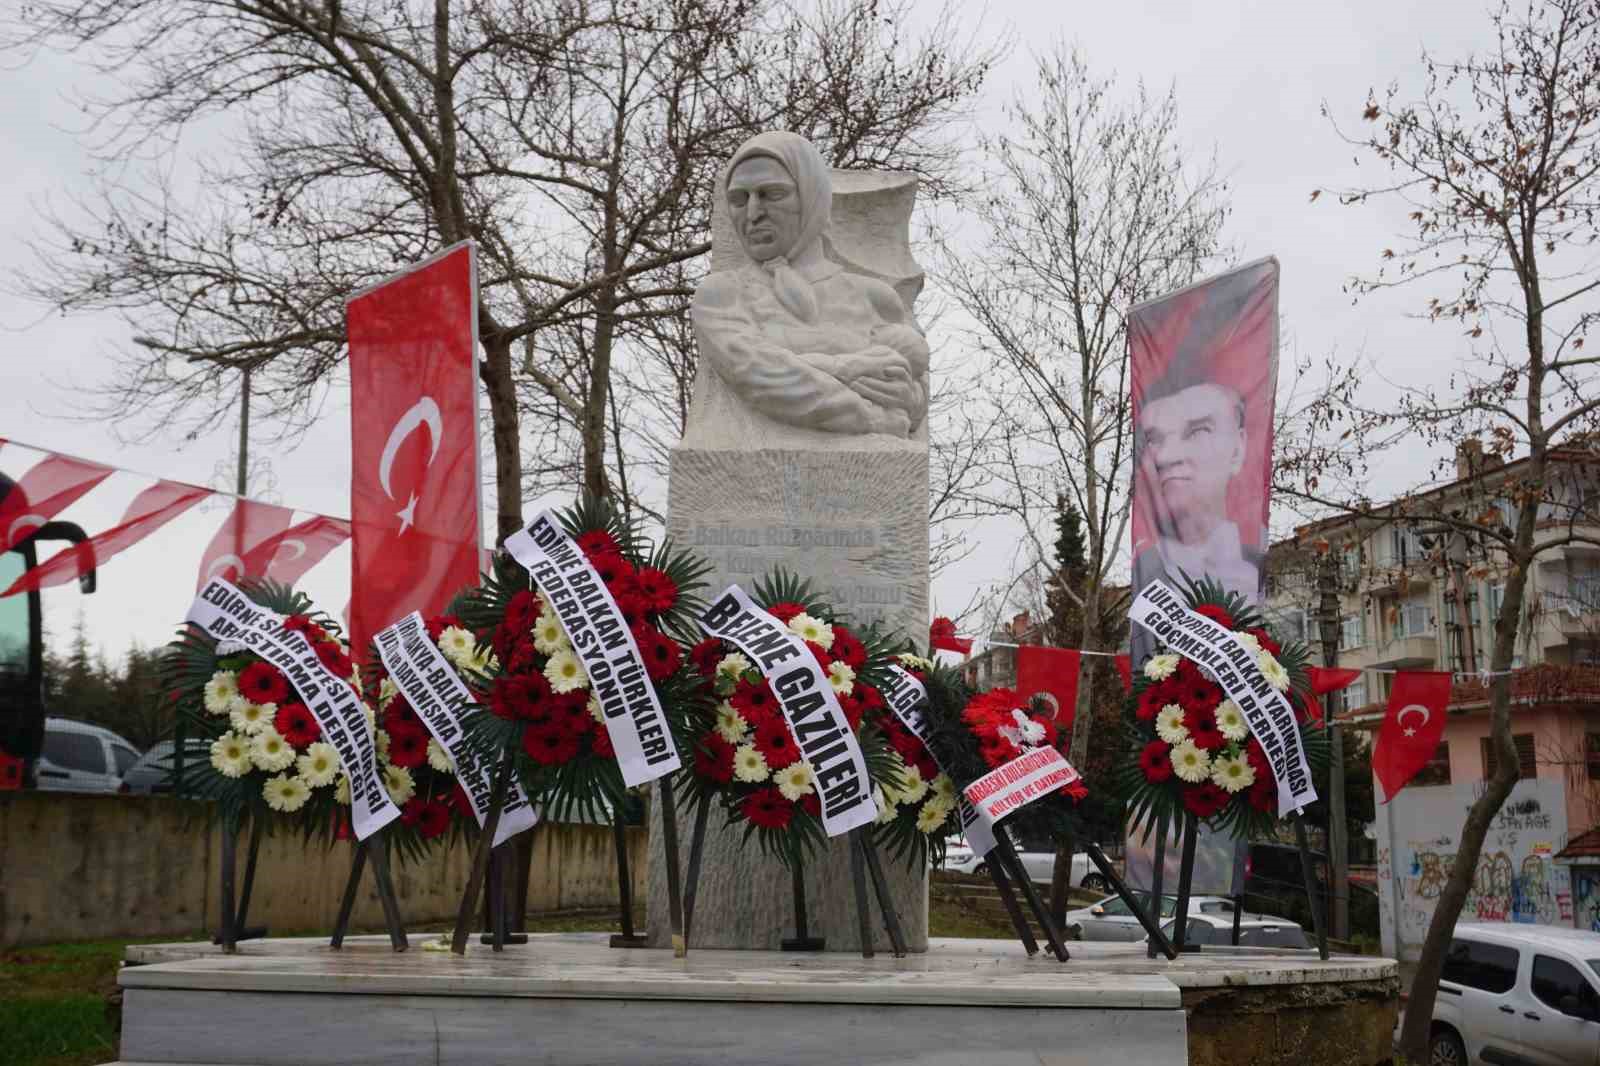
x=1251, y=78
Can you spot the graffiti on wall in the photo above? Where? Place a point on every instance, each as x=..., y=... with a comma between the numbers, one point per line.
x=1586, y=898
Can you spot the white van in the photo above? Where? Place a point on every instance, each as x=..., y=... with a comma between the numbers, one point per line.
x=79, y=757
x=1518, y=994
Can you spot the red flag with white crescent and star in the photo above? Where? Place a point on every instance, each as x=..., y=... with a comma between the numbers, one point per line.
x=414, y=451
x=246, y=527
x=1053, y=674
x=1411, y=728
x=286, y=557
x=46, y=490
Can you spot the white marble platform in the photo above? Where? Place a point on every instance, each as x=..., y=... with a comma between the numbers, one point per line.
x=569, y=998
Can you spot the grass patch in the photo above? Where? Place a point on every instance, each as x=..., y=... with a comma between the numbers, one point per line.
x=53, y=1004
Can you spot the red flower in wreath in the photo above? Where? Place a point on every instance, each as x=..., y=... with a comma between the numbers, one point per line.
x=522, y=611
x=461, y=803
x=263, y=683
x=848, y=649
x=399, y=715
x=871, y=699
x=302, y=623
x=662, y=656
x=520, y=698
x=600, y=742
x=811, y=803
x=598, y=542
x=549, y=745
x=408, y=747
x=785, y=612
x=570, y=710
x=774, y=741
x=1264, y=794
x=334, y=659
x=659, y=591
x=706, y=655
x=1202, y=727
x=713, y=759
x=1077, y=791
x=767, y=808
x=1152, y=699
x=1217, y=614
x=295, y=723
x=853, y=710
x=1156, y=761
x=433, y=819
x=1204, y=800
x=754, y=701
x=611, y=567
x=439, y=623
x=1266, y=641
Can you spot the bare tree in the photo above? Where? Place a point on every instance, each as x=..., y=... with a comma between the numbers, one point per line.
x=1497, y=162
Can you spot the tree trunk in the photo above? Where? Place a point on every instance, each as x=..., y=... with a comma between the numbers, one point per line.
x=594, y=404
x=496, y=374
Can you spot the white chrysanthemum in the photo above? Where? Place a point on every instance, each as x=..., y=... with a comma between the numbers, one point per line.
x=226, y=648
x=916, y=662
x=319, y=765
x=565, y=673
x=733, y=665
x=842, y=677
x=341, y=793
x=251, y=718
x=382, y=741
x=597, y=712
x=1273, y=670
x=397, y=779
x=795, y=780
x=483, y=663
x=1190, y=763
x=1230, y=721
x=749, y=765
x=1169, y=724
x=913, y=786
x=944, y=789
x=815, y=630
x=1160, y=667
x=1024, y=732
x=731, y=725
x=1233, y=774
x=548, y=636
x=457, y=645
x=387, y=690
x=220, y=691
x=932, y=816
x=887, y=807
x=237, y=703
x=230, y=754
x=372, y=720
x=439, y=759
x=285, y=793
x=1249, y=641
x=270, y=751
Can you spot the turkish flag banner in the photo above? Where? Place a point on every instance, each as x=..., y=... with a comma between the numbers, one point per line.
x=1411, y=728
x=285, y=558
x=1125, y=671
x=46, y=490
x=942, y=637
x=1053, y=674
x=1326, y=679
x=149, y=511
x=414, y=442
x=246, y=527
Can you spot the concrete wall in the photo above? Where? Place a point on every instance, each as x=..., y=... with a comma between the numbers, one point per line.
x=1516, y=881
x=75, y=867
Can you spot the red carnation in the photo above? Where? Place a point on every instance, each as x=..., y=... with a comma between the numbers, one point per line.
x=767, y=808
x=1264, y=795
x=853, y=709
x=334, y=659
x=1151, y=700
x=927, y=767
x=847, y=649
x=713, y=759
x=600, y=743
x=1216, y=614
x=611, y=567
x=408, y=747
x=411, y=810
x=399, y=715
x=997, y=751
x=1265, y=640
x=819, y=653
x=754, y=701
x=461, y=802
x=520, y=697
x=549, y=746
x=1076, y=791
x=439, y=623
x=522, y=611
x=301, y=623
x=1202, y=727
x=706, y=655
x=570, y=710
x=523, y=658
x=295, y=723
x=633, y=608
x=598, y=542
x=774, y=741
x=263, y=683
x=871, y=699
x=1204, y=800
x=811, y=803
x=785, y=612
x=660, y=592
x=662, y=656
x=1156, y=761
x=433, y=820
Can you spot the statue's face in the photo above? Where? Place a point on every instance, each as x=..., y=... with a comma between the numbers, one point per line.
x=764, y=205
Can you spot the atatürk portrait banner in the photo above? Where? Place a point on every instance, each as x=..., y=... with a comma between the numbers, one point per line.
x=1204, y=373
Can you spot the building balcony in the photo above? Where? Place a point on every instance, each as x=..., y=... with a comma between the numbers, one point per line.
x=1419, y=651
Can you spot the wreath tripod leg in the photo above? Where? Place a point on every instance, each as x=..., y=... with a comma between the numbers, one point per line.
x=858, y=879
x=880, y=886
x=1309, y=873
x=1041, y=913
x=358, y=863
x=1120, y=887
x=697, y=845
x=480, y=857
x=1008, y=898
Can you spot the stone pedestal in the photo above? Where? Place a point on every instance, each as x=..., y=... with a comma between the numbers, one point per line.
x=855, y=523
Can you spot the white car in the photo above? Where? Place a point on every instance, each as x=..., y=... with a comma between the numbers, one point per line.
x=1518, y=993
x=1255, y=930
x=79, y=757
x=1112, y=919
x=1041, y=865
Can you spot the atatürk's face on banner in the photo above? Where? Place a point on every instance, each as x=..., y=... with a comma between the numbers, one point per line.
x=764, y=206
x=1193, y=443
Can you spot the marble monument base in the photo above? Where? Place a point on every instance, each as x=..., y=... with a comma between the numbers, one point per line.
x=854, y=523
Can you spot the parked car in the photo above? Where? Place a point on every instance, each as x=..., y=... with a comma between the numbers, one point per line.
x=152, y=774
x=79, y=757
x=1112, y=919
x=1040, y=864
x=1255, y=930
x=1518, y=993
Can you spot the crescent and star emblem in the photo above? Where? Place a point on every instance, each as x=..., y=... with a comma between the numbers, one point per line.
x=424, y=412
x=1407, y=709
x=298, y=549
x=1050, y=699
x=27, y=521
x=224, y=562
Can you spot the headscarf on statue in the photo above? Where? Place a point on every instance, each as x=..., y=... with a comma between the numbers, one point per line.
x=804, y=163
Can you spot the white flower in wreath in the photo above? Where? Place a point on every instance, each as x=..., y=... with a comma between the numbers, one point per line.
x=285, y=794
x=1233, y=773
x=270, y=751
x=230, y=754
x=382, y=741
x=795, y=780
x=1273, y=670
x=815, y=630
x=887, y=808
x=387, y=690
x=457, y=645
x=842, y=677
x=372, y=720
x=251, y=718
x=548, y=636
x=226, y=648
x=1249, y=641
x=913, y=786
x=944, y=789
x=341, y=792
x=1026, y=733
x=1160, y=667
x=1230, y=721
x=439, y=759
x=916, y=662
x=220, y=691
x=1169, y=724
x=733, y=665
x=731, y=725
x=749, y=765
x=932, y=816
x=399, y=783
x=565, y=672
x=1190, y=763
x=319, y=765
